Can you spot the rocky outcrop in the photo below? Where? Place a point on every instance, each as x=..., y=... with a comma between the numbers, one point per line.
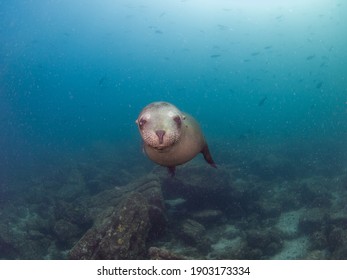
x=122, y=232
x=194, y=234
x=122, y=236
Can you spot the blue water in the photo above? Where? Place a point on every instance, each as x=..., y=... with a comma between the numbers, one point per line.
x=259, y=76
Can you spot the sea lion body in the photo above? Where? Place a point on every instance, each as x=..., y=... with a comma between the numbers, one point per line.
x=170, y=136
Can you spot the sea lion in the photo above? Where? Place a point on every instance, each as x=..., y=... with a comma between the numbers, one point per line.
x=170, y=136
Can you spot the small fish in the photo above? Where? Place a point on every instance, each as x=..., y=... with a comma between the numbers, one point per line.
x=319, y=85
x=262, y=101
x=222, y=27
x=267, y=47
x=310, y=57
x=102, y=80
x=215, y=55
x=159, y=32
x=255, y=53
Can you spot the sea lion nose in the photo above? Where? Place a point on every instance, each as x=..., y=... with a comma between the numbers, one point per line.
x=160, y=134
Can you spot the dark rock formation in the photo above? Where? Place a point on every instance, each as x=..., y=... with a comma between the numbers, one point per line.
x=74, y=213
x=123, y=236
x=122, y=231
x=318, y=240
x=65, y=230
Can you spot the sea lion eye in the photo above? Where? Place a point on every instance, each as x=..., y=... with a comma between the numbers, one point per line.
x=178, y=121
x=141, y=123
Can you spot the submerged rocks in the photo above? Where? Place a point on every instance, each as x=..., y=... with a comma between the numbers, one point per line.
x=208, y=216
x=224, y=213
x=288, y=224
x=66, y=231
x=122, y=232
x=312, y=220
x=235, y=248
x=201, y=186
x=193, y=234
x=337, y=242
x=123, y=236
x=265, y=243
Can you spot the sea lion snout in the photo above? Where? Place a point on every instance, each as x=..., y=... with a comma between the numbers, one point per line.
x=160, y=134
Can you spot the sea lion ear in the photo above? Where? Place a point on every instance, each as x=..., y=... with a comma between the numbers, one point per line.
x=137, y=121
x=183, y=117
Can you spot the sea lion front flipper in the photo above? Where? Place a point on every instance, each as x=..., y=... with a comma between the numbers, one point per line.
x=207, y=156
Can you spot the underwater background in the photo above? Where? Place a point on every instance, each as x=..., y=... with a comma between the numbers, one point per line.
x=266, y=79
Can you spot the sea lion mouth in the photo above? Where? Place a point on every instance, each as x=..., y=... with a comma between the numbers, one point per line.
x=161, y=148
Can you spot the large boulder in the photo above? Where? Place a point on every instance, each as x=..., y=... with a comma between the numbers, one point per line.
x=122, y=236
x=125, y=219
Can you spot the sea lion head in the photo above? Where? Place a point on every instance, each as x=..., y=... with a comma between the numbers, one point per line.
x=160, y=125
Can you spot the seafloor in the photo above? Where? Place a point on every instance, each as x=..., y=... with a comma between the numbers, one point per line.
x=262, y=202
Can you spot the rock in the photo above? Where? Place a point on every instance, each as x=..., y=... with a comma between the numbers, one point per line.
x=208, y=216
x=125, y=219
x=288, y=224
x=316, y=255
x=340, y=253
x=152, y=192
x=156, y=253
x=231, y=231
x=201, y=186
x=193, y=234
x=318, y=240
x=74, y=213
x=107, y=199
x=7, y=250
x=337, y=238
x=312, y=220
x=65, y=230
x=338, y=219
x=268, y=241
x=123, y=236
x=268, y=208
x=234, y=248
x=314, y=191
